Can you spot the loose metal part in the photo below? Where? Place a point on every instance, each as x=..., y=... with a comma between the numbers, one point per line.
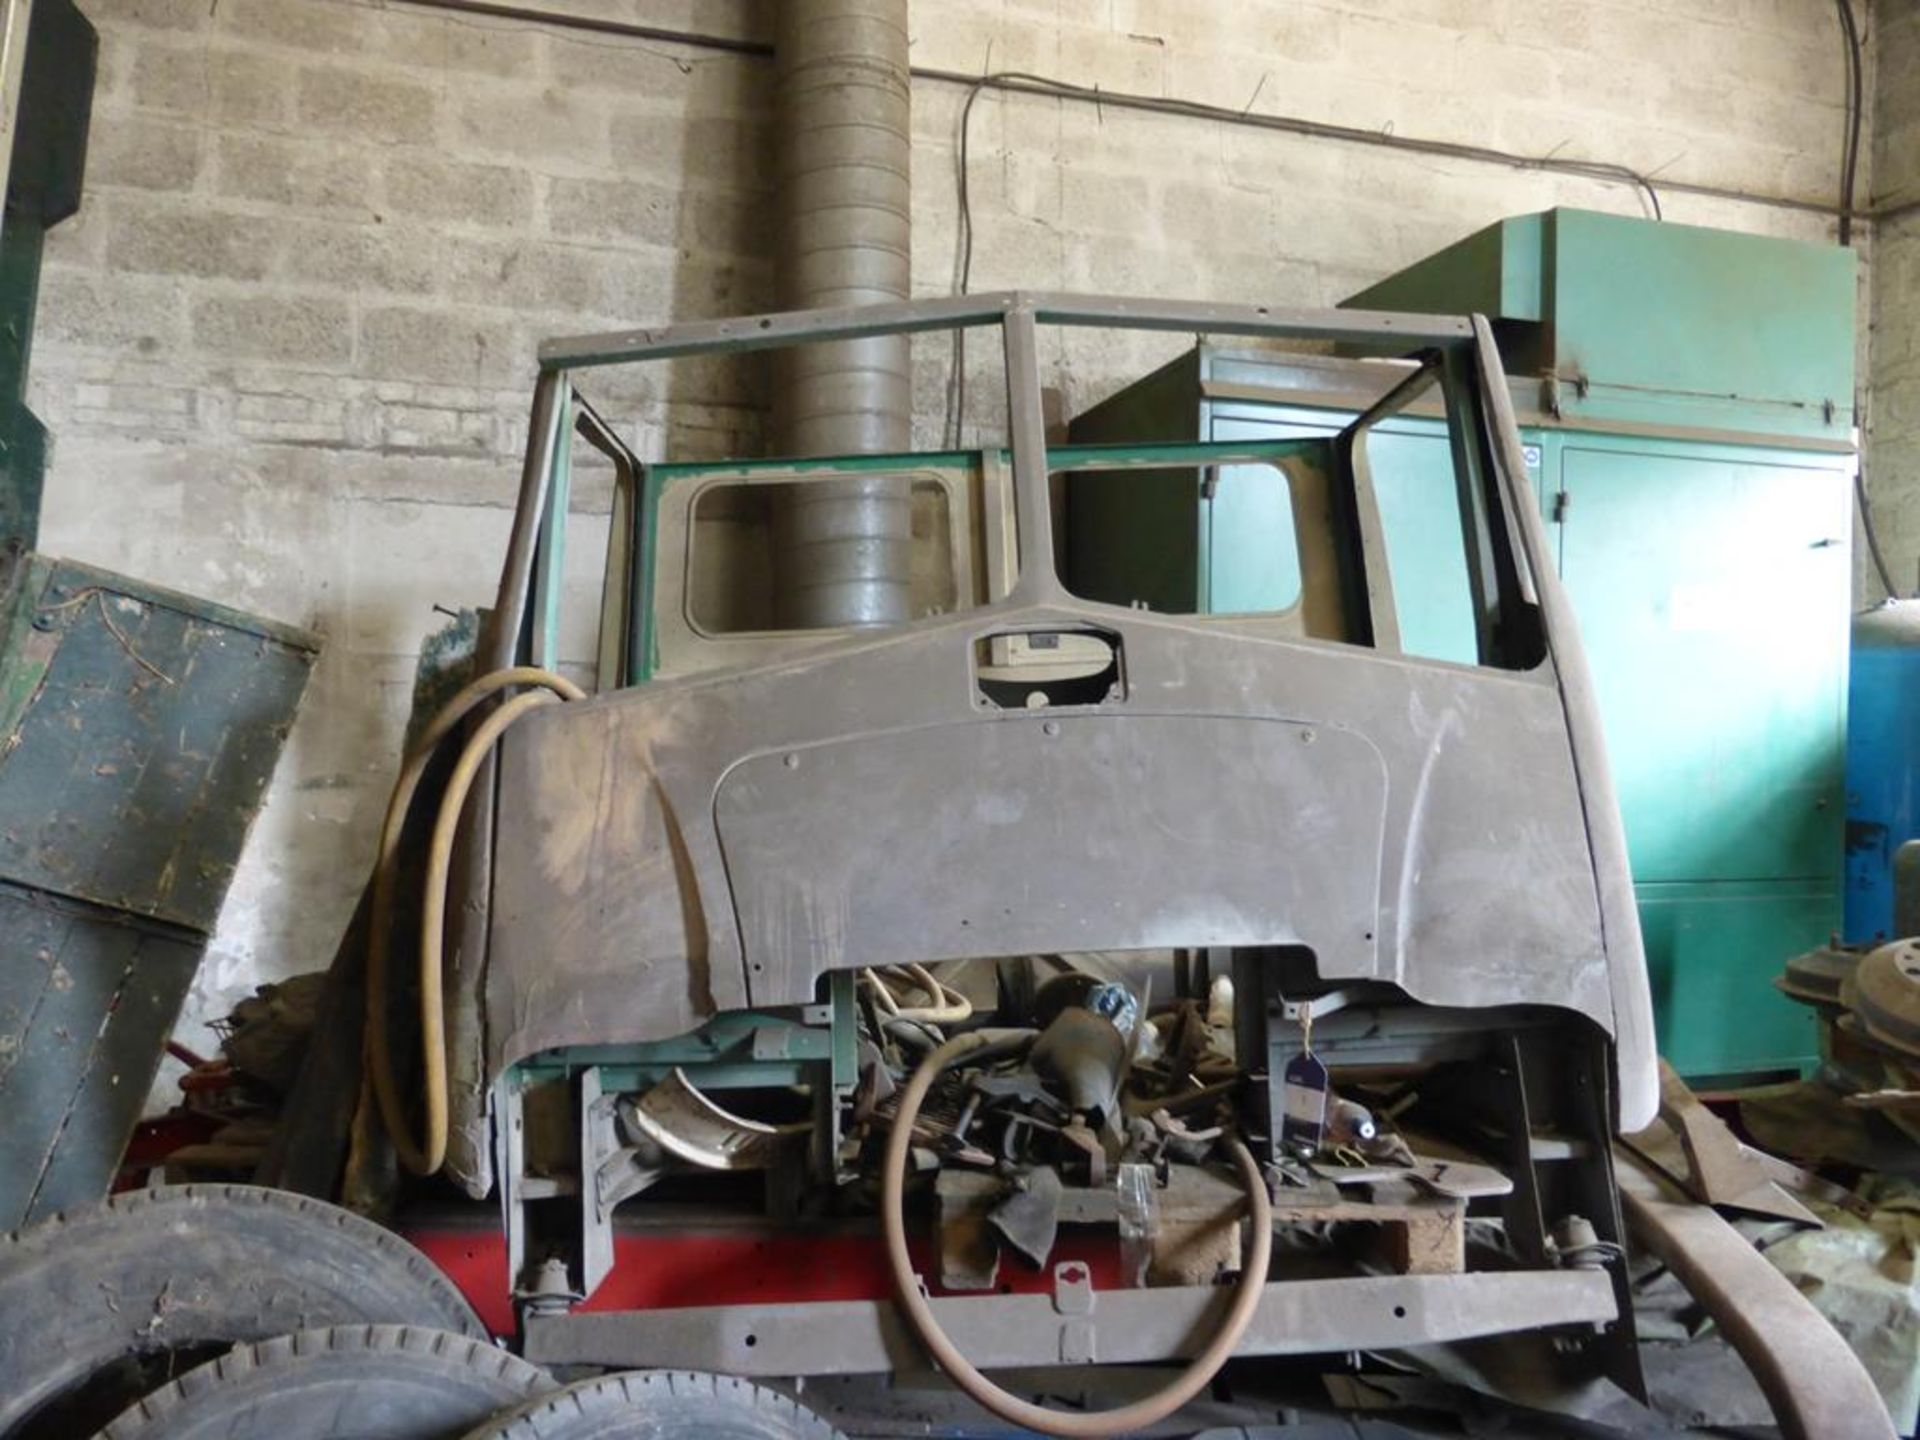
x=1817, y=1387
x=691, y=1127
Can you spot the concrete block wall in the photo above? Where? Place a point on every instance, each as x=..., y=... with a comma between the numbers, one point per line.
x=287, y=346
x=1893, y=448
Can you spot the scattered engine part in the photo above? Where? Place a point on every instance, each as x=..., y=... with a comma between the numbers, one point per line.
x=1349, y=1123
x=691, y=1127
x=1029, y=1218
x=1885, y=995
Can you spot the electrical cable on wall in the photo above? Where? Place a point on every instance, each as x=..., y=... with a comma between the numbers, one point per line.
x=1856, y=103
x=1849, y=179
x=1022, y=82
x=1019, y=83
x=962, y=270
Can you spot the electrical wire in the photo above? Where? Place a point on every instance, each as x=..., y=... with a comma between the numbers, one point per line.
x=1872, y=535
x=1849, y=178
x=426, y=1154
x=962, y=267
x=1021, y=82
x=1024, y=82
x=1123, y=100
x=1137, y=1415
x=1856, y=104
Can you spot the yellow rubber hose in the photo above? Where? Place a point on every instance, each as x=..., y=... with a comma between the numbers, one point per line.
x=425, y=1156
x=948, y=1007
x=1141, y=1413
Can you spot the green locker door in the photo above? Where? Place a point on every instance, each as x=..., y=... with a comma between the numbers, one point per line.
x=1711, y=586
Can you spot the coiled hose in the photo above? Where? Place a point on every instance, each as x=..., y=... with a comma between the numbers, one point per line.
x=1141, y=1413
x=948, y=1006
x=429, y=1152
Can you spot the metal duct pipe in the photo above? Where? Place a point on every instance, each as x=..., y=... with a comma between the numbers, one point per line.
x=844, y=549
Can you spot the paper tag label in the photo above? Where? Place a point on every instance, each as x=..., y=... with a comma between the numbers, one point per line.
x=1305, y=1101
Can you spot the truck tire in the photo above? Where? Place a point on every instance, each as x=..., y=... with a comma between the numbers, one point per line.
x=105, y=1303
x=372, y=1382
x=660, y=1405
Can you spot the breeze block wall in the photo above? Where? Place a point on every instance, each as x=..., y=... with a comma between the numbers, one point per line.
x=287, y=346
x=1893, y=437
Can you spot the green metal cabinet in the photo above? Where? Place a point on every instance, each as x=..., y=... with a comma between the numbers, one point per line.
x=1713, y=587
x=1693, y=459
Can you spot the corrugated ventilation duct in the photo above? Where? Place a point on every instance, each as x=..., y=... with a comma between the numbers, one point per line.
x=844, y=549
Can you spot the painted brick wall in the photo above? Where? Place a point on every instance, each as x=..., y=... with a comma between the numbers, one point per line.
x=1893, y=452
x=286, y=347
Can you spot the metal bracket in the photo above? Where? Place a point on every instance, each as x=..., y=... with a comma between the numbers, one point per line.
x=773, y=1042
x=1072, y=1288
x=610, y=1172
x=598, y=1143
x=1073, y=1300
x=1317, y=1007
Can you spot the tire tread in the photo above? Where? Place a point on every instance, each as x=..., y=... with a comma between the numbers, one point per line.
x=152, y=1417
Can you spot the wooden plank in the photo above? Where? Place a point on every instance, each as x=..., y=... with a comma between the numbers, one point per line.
x=119, y=1073
x=1418, y=1234
x=81, y=981
x=36, y=936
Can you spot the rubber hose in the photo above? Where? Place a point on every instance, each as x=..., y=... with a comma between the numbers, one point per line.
x=1141, y=1413
x=949, y=1006
x=426, y=1156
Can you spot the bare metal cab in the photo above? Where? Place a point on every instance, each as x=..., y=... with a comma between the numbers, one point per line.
x=756, y=844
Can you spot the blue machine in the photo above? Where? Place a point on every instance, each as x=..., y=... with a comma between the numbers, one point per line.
x=1883, y=762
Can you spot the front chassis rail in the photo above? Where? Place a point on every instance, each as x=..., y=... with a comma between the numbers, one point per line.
x=1075, y=1325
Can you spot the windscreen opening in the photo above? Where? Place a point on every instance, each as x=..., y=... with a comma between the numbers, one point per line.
x=741, y=554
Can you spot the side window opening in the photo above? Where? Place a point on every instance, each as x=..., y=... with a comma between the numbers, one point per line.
x=1249, y=536
x=1421, y=523
x=1389, y=533
x=582, y=618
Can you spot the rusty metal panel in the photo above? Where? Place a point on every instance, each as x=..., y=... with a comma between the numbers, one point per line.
x=148, y=726
x=138, y=730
